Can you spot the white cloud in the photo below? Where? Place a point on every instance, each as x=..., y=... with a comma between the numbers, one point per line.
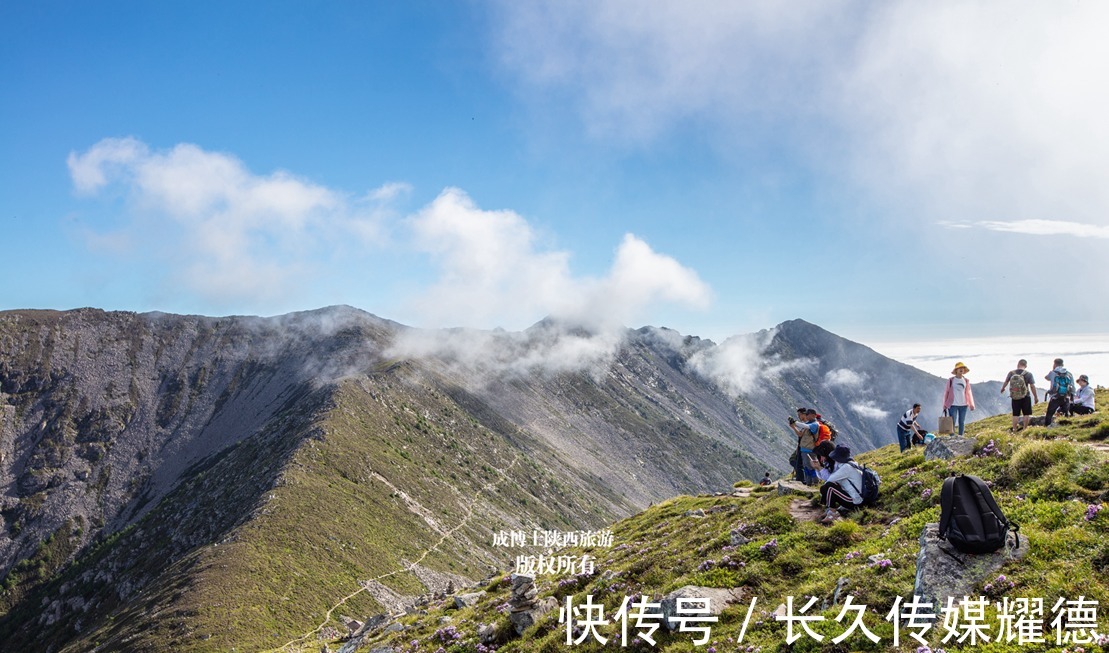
x=485, y=355
x=740, y=365
x=844, y=377
x=869, y=410
x=1048, y=228
x=492, y=271
x=989, y=110
x=637, y=69
x=223, y=232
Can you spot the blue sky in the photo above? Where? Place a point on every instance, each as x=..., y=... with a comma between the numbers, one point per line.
x=890, y=171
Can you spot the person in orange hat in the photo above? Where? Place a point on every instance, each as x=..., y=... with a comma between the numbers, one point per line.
x=957, y=396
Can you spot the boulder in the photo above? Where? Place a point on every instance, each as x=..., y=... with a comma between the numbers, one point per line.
x=942, y=571
x=486, y=633
x=694, y=513
x=466, y=600
x=525, y=619
x=718, y=598
x=948, y=447
x=736, y=538
x=795, y=487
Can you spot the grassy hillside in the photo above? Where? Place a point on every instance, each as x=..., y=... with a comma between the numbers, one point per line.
x=1044, y=479
x=387, y=480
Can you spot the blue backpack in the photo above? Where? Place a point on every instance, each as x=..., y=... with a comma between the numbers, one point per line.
x=871, y=481
x=1063, y=385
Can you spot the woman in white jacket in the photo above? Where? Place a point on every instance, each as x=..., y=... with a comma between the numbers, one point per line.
x=842, y=491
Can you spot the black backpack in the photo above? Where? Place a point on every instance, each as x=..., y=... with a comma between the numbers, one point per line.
x=970, y=518
x=871, y=481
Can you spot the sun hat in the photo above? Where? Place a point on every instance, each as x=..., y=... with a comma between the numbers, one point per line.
x=958, y=365
x=841, y=454
x=1083, y=377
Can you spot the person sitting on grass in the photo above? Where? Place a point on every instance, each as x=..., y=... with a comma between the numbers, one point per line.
x=842, y=492
x=766, y=480
x=1084, y=397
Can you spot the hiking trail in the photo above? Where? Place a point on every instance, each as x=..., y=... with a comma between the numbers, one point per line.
x=365, y=585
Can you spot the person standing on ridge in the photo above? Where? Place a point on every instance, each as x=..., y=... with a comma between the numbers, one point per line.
x=796, y=459
x=806, y=440
x=1084, y=398
x=957, y=396
x=1060, y=390
x=1022, y=393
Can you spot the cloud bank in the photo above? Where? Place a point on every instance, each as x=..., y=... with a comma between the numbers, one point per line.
x=226, y=234
x=868, y=410
x=845, y=378
x=490, y=268
x=740, y=365
x=982, y=114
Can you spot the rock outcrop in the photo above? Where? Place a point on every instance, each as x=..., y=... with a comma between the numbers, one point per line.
x=948, y=447
x=943, y=572
x=718, y=599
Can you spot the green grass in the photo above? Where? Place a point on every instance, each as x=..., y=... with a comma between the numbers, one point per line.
x=1044, y=479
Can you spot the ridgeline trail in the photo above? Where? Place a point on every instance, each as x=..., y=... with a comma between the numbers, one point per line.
x=297, y=643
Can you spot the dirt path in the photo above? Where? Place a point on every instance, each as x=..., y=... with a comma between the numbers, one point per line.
x=803, y=510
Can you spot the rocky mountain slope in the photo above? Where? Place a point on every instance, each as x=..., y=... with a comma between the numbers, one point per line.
x=190, y=483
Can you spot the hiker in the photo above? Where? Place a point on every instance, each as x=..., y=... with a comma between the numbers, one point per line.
x=796, y=458
x=1083, y=399
x=843, y=490
x=1022, y=393
x=820, y=461
x=908, y=430
x=766, y=480
x=1060, y=390
x=823, y=430
x=806, y=439
x=957, y=396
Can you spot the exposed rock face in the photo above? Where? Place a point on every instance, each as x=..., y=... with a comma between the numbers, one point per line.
x=718, y=599
x=949, y=446
x=466, y=600
x=942, y=571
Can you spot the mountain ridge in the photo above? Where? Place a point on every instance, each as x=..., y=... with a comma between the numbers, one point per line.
x=119, y=427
